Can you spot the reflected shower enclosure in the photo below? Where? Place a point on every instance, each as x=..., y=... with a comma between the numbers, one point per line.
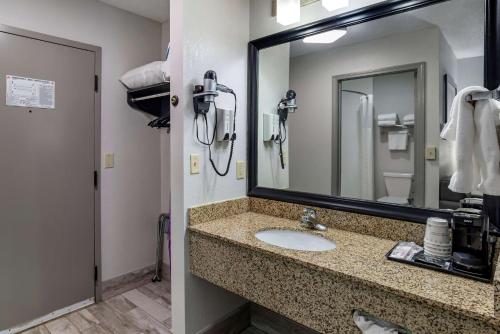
x=374, y=118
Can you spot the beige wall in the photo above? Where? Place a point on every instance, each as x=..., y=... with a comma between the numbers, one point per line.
x=130, y=191
x=165, y=148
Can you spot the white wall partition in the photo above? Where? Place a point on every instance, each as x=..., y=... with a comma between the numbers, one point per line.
x=205, y=35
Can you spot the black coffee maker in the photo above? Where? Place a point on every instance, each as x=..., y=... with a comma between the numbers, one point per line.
x=472, y=245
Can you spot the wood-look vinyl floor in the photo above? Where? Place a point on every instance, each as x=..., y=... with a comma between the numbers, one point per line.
x=143, y=310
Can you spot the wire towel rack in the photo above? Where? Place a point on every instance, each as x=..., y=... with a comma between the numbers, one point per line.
x=492, y=94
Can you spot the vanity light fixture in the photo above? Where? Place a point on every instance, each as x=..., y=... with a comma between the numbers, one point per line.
x=287, y=11
x=332, y=5
x=326, y=37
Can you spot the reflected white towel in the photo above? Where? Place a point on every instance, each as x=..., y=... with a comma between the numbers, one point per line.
x=387, y=119
x=409, y=119
x=398, y=140
x=486, y=147
x=386, y=123
x=368, y=325
x=461, y=129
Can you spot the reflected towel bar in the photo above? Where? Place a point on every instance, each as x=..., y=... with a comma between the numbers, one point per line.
x=492, y=94
x=355, y=92
x=150, y=97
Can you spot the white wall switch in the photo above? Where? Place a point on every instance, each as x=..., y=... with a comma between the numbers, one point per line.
x=109, y=160
x=430, y=153
x=194, y=160
x=241, y=170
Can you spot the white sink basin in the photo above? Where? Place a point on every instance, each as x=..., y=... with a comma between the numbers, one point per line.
x=296, y=240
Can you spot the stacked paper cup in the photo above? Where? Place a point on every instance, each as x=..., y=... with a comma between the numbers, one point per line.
x=437, y=241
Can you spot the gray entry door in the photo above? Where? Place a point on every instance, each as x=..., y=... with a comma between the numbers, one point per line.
x=46, y=183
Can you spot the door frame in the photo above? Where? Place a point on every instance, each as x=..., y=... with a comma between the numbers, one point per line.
x=97, y=134
x=419, y=165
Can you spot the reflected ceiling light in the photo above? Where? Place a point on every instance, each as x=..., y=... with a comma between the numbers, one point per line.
x=331, y=5
x=287, y=11
x=326, y=37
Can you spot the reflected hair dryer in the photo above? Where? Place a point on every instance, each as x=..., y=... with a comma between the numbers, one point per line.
x=285, y=106
x=288, y=103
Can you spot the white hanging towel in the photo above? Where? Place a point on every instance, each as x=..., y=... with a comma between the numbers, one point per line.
x=461, y=130
x=398, y=140
x=366, y=150
x=486, y=147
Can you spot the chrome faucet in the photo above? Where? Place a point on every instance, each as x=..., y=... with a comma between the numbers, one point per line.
x=308, y=220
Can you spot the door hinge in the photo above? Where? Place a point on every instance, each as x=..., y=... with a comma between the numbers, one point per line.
x=96, y=179
x=96, y=273
x=96, y=83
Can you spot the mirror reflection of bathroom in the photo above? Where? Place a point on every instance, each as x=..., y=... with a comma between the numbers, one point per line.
x=377, y=138
x=371, y=100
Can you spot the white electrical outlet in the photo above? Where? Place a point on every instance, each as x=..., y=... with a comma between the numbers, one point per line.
x=194, y=162
x=109, y=160
x=240, y=170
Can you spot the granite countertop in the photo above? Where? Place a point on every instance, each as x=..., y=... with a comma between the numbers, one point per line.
x=362, y=257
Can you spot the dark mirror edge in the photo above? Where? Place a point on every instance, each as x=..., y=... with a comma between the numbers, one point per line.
x=365, y=14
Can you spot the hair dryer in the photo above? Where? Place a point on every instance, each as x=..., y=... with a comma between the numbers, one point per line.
x=285, y=106
x=203, y=97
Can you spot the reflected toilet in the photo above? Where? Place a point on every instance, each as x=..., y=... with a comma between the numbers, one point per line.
x=398, y=186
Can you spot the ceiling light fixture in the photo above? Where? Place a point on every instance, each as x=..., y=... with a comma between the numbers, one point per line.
x=332, y=5
x=287, y=11
x=326, y=37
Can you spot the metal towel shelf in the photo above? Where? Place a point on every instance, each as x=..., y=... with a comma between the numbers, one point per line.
x=149, y=97
x=492, y=94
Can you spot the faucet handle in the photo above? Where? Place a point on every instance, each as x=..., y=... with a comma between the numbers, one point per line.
x=309, y=213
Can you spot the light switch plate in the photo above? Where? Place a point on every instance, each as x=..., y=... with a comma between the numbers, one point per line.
x=430, y=153
x=109, y=160
x=194, y=162
x=240, y=169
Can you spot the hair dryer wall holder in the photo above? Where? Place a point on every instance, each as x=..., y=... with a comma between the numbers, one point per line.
x=201, y=106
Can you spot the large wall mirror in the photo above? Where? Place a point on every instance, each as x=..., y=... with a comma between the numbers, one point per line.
x=347, y=112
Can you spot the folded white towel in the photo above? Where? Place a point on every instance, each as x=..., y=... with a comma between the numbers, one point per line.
x=409, y=119
x=147, y=75
x=388, y=117
x=461, y=129
x=386, y=123
x=486, y=147
x=398, y=140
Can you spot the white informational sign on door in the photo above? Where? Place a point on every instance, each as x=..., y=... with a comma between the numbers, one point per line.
x=29, y=92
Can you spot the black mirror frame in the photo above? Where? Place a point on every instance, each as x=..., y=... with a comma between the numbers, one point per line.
x=373, y=12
